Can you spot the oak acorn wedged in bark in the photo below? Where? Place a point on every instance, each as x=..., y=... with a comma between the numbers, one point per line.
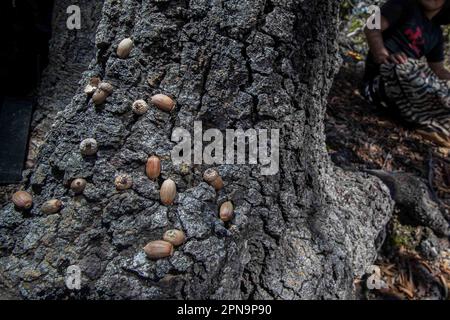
x=158, y=249
x=78, y=185
x=139, y=107
x=213, y=178
x=124, y=48
x=103, y=91
x=163, y=102
x=22, y=200
x=89, y=90
x=123, y=182
x=92, y=86
x=175, y=237
x=168, y=192
x=153, y=167
x=51, y=206
x=226, y=211
x=88, y=147
x=106, y=86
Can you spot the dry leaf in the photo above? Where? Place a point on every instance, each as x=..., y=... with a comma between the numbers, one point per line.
x=406, y=291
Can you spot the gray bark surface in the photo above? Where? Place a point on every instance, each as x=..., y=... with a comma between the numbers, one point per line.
x=70, y=53
x=305, y=233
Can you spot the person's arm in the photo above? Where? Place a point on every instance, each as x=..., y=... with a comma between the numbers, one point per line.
x=375, y=41
x=436, y=58
x=376, y=44
x=440, y=70
x=391, y=13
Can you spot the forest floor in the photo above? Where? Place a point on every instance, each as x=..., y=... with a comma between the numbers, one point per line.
x=413, y=261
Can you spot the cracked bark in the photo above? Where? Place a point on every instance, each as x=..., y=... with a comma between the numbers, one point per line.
x=70, y=55
x=305, y=233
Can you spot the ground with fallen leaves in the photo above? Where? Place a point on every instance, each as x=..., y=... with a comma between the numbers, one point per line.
x=359, y=136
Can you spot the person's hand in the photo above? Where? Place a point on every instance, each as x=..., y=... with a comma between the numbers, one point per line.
x=398, y=58
x=383, y=57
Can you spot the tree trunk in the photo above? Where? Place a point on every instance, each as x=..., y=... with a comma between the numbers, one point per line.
x=305, y=233
x=70, y=53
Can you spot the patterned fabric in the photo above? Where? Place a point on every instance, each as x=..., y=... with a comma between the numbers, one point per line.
x=375, y=94
x=419, y=95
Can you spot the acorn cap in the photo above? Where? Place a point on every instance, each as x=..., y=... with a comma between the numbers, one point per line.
x=123, y=182
x=78, y=185
x=95, y=81
x=213, y=178
x=139, y=107
x=174, y=236
x=210, y=175
x=88, y=147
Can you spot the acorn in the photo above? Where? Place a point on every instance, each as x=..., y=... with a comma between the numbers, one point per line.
x=139, y=107
x=88, y=147
x=78, y=185
x=163, y=102
x=92, y=86
x=106, y=86
x=89, y=89
x=51, y=206
x=123, y=182
x=153, y=167
x=168, y=192
x=99, y=96
x=226, y=211
x=103, y=91
x=124, y=48
x=213, y=178
x=22, y=200
x=175, y=237
x=158, y=249
x=95, y=81
x=30, y=164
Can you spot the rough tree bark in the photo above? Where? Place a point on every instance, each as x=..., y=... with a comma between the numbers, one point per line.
x=305, y=233
x=70, y=53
